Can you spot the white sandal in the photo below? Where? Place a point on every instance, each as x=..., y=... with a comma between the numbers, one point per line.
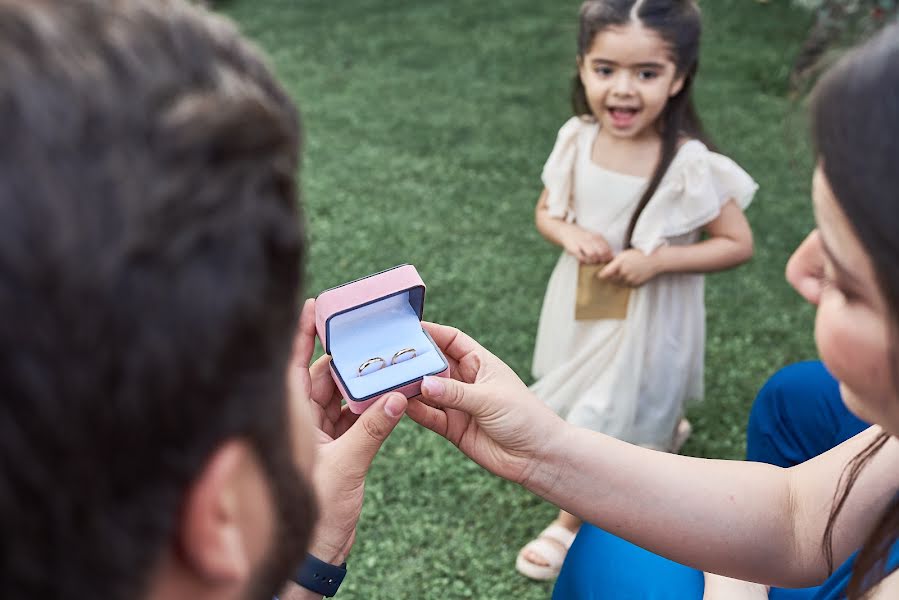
x=552, y=544
x=682, y=433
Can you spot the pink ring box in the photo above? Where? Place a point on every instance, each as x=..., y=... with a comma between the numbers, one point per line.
x=378, y=316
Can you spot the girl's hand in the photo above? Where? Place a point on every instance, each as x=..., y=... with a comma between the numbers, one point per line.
x=586, y=246
x=486, y=410
x=630, y=267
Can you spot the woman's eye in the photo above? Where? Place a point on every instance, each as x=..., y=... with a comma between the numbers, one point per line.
x=604, y=71
x=828, y=282
x=646, y=75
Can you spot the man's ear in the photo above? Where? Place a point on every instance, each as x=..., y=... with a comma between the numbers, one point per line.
x=677, y=85
x=226, y=521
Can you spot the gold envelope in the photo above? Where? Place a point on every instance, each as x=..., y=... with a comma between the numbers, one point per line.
x=598, y=298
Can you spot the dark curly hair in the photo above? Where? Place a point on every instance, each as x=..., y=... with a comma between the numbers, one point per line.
x=150, y=264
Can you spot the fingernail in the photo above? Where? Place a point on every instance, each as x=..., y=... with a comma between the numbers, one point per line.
x=433, y=386
x=394, y=406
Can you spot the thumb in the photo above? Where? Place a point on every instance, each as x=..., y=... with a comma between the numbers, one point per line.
x=363, y=440
x=443, y=392
x=609, y=269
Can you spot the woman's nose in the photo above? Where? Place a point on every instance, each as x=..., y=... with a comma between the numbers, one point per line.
x=806, y=268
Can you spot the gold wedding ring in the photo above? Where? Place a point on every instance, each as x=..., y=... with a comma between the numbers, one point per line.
x=401, y=353
x=370, y=362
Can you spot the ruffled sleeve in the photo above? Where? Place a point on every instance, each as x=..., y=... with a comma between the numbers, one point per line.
x=698, y=183
x=558, y=172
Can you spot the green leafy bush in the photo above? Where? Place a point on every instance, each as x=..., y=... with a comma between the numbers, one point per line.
x=837, y=24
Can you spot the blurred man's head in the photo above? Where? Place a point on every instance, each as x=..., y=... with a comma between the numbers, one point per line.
x=150, y=263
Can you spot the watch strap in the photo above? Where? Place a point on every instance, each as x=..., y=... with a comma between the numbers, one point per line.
x=320, y=577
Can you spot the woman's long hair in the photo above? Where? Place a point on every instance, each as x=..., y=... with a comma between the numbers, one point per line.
x=679, y=24
x=855, y=121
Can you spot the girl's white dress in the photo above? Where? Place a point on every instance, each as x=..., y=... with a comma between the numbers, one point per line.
x=630, y=378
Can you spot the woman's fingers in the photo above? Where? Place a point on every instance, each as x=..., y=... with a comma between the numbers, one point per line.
x=449, y=393
x=455, y=344
x=427, y=416
x=304, y=341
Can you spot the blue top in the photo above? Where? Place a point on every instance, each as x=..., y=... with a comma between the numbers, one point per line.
x=835, y=586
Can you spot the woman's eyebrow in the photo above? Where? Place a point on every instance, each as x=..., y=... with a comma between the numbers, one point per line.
x=843, y=273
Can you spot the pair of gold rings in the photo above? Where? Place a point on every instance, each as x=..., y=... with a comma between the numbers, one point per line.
x=401, y=356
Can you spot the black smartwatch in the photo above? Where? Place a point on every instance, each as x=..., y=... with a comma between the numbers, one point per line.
x=320, y=577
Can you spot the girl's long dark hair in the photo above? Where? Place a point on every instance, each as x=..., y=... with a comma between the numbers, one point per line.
x=679, y=23
x=855, y=120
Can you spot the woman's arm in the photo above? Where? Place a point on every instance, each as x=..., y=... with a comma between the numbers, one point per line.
x=749, y=521
x=585, y=246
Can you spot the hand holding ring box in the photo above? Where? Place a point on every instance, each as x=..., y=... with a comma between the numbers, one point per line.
x=372, y=330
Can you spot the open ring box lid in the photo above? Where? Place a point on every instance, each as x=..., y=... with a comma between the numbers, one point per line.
x=377, y=317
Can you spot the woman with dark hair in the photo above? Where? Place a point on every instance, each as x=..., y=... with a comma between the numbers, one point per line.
x=787, y=527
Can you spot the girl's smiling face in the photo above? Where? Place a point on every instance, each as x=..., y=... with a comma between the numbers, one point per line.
x=628, y=77
x=853, y=325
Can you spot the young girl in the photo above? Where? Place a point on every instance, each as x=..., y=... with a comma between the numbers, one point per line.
x=631, y=183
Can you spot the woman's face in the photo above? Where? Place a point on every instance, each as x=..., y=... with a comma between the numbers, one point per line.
x=852, y=328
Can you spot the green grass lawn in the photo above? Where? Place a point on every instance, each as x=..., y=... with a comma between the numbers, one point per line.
x=426, y=127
